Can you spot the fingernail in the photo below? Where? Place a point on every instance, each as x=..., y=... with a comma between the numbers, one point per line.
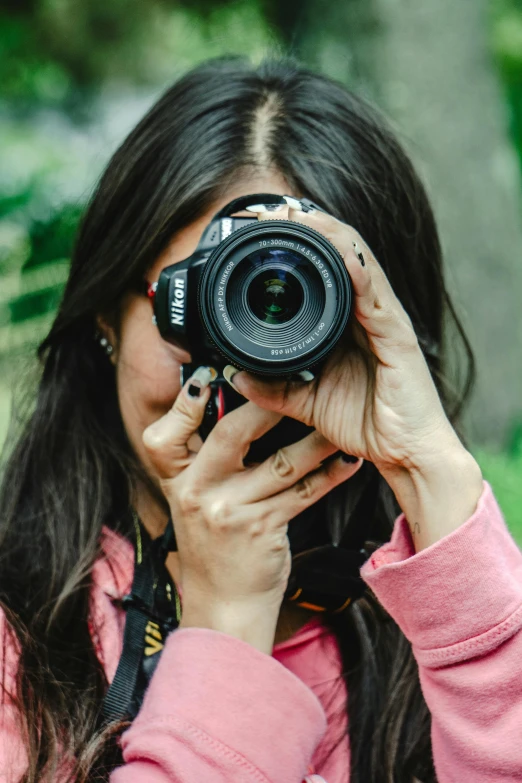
x=349, y=458
x=306, y=375
x=228, y=374
x=258, y=208
x=293, y=203
x=358, y=253
x=200, y=380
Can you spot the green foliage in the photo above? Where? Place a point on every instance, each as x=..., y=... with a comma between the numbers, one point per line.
x=515, y=441
x=504, y=473
x=64, y=68
x=506, y=36
x=62, y=63
x=51, y=49
x=26, y=69
x=506, y=43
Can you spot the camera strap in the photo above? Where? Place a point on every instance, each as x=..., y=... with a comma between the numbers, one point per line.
x=324, y=579
x=153, y=610
x=327, y=577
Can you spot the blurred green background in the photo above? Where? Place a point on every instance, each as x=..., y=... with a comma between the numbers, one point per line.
x=76, y=76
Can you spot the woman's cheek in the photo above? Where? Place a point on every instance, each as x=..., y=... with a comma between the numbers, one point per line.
x=152, y=383
x=148, y=384
x=148, y=372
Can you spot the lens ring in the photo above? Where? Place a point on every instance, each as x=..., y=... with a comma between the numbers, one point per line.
x=244, y=318
x=238, y=338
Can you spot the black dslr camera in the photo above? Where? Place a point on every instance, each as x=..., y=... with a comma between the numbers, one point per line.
x=271, y=297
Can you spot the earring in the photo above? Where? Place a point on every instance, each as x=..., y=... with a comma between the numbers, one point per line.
x=105, y=344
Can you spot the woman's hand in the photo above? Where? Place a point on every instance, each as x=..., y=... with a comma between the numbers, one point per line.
x=375, y=397
x=231, y=521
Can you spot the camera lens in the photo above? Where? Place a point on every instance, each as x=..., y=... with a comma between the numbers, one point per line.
x=274, y=297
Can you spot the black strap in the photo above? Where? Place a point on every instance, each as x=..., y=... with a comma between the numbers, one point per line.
x=324, y=578
x=327, y=578
x=152, y=612
x=358, y=530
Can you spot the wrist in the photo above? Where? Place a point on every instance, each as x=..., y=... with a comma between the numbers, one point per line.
x=438, y=492
x=251, y=621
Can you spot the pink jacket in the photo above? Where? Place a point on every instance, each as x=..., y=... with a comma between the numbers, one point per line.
x=219, y=711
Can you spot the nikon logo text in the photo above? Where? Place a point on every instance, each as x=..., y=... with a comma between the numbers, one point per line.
x=177, y=306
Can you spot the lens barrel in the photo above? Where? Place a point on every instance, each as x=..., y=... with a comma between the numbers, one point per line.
x=275, y=297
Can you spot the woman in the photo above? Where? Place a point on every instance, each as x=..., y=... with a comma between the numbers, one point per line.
x=430, y=656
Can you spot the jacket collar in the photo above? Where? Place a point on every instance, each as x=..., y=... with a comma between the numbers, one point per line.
x=113, y=570
x=113, y=573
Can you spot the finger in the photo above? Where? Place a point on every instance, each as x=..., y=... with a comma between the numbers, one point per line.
x=284, y=468
x=345, y=238
x=283, y=396
x=166, y=440
x=307, y=491
x=279, y=212
x=227, y=445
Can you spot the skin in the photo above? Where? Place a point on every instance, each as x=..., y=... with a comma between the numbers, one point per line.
x=147, y=367
x=233, y=560
x=375, y=398
x=148, y=373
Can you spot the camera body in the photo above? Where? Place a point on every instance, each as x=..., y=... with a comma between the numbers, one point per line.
x=272, y=297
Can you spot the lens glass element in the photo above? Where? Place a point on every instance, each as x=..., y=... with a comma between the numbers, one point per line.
x=275, y=295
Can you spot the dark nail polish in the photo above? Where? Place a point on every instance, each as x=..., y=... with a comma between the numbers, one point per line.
x=349, y=458
x=358, y=253
x=193, y=390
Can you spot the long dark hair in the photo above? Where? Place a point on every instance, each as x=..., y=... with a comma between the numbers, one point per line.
x=72, y=469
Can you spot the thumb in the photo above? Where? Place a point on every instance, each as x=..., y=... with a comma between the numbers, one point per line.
x=292, y=398
x=166, y=440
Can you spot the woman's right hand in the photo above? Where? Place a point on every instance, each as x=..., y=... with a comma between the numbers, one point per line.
x=230, y=520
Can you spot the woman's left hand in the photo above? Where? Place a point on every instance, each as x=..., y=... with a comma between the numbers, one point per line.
x=375, y=397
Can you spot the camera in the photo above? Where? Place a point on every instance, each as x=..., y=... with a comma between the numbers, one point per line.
x=272, y=297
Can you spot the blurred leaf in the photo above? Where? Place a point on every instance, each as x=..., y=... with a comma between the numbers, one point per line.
x=515, y=443
x=25, y=335
x=504, y=473
x=507, y=40
x=35, y=279
x=15, y=248
x=13, y=202
x=38, y=303
x=53, y=48
x=53, y=238
x=55, y=57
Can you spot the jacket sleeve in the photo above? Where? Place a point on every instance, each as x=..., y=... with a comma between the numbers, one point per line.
x=13, y=756
x=459, y=602
x=220, y=711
